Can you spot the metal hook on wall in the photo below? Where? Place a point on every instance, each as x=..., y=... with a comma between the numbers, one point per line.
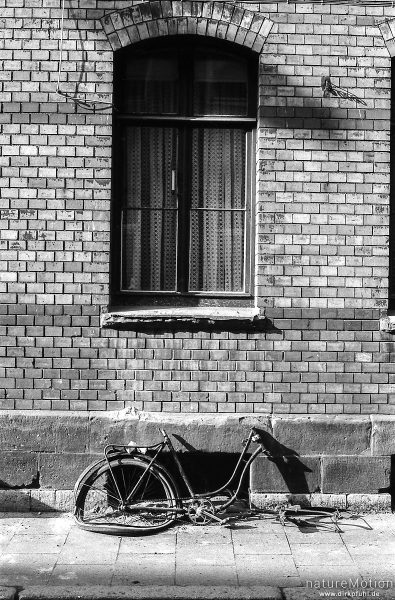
x=82, y=102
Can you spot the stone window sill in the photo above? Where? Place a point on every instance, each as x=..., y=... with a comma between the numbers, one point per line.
x=195, y=315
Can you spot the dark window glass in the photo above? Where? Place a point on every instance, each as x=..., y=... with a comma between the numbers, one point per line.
x=151, y=86
x=220, y=86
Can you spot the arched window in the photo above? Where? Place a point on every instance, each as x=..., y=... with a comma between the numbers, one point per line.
x=183, y=144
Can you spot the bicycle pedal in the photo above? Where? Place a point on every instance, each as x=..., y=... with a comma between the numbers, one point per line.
x=211, y=516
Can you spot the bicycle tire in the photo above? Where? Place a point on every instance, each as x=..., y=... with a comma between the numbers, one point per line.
x=103, y=488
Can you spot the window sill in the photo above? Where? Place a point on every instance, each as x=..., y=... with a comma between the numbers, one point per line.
x=195, y=315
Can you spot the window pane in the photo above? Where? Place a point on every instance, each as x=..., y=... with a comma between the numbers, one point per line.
x=218, y=168
x=217, y=251
x=151, y=156
x=151, y=86
x=149, y=250
x=150, y=225
x=217, y=236
x=220, y=86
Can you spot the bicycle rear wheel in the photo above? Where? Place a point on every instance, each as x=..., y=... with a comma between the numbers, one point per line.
x=103, y=505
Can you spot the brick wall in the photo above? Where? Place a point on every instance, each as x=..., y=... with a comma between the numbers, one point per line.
x=322, y=223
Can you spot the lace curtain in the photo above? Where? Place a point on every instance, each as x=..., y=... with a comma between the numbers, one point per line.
x=150, y=218
x=217, y=223
x=214, y=213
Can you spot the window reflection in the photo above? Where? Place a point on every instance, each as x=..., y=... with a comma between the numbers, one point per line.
x=220, y=86
x=151, y=86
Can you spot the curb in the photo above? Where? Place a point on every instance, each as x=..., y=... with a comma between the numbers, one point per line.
x=168, y=593
x=149, y=593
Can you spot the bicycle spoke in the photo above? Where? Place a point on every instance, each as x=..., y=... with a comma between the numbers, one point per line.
x=101, y=491
x=104, y=497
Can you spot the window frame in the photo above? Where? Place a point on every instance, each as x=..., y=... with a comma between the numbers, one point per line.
x=185, y=123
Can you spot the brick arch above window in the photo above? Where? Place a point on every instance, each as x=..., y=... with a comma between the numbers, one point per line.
x=387, y=29
x=149, y=20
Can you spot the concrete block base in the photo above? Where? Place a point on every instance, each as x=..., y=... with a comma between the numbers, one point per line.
x=365, y=503
x=36, y=500
x=319, y=460
x=63, y=501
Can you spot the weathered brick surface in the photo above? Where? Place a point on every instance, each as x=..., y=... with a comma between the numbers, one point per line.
x=322, y=203
x=224, y=20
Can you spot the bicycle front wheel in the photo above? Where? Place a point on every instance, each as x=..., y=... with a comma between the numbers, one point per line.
x=124, y=497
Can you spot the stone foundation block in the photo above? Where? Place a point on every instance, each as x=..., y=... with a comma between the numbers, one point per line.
x=64, y=500
x=322, y=434
x=36, y=501
x=44, y=432
x=383, y=435
x=329, y=501
x=15, y=500
x=18, y=469
x=205, y=433
x=369, y=502
x=52, y=500
x=356, y=474
x=333, y=501
x=295, y=474
x=60, y=471
x=273, y=501
x=42, y=500
x=31, y=433
x=361, y=503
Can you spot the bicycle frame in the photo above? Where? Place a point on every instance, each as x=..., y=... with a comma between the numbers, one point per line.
x=157, y=449
x=167, y=504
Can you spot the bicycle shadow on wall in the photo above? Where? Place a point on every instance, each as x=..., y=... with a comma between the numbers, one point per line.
x=203, y=467
x=289, y=464
x=287, y=461
x=391, y=488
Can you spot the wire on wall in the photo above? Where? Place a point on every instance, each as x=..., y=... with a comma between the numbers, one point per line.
x=80, y=98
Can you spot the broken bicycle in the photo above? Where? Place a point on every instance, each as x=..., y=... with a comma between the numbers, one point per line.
x=129, y=491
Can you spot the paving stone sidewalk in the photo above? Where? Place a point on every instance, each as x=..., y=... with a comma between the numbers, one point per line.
x=49, y=550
